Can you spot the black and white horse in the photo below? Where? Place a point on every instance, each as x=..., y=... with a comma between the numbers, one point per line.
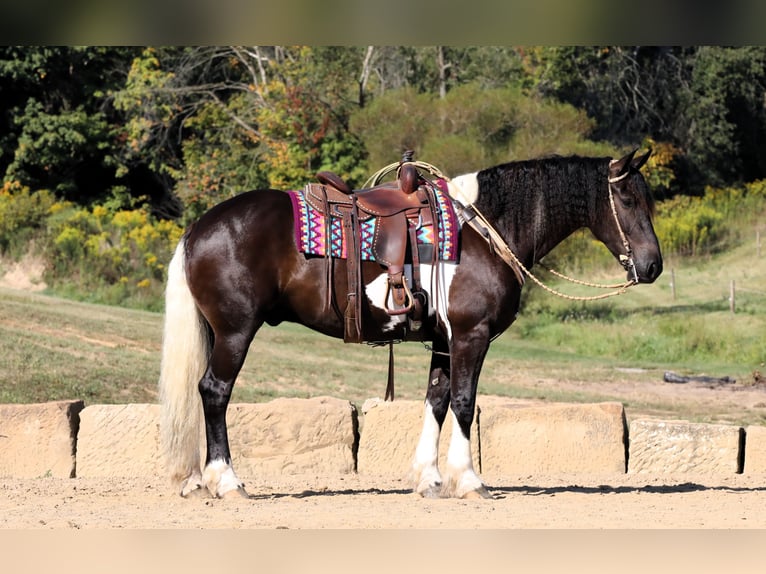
x=238, y=267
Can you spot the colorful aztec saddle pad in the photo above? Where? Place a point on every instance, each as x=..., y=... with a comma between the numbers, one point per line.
x=310, y=236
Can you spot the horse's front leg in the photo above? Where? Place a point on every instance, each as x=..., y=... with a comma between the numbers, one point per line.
x=467, y=353
x=425, y=471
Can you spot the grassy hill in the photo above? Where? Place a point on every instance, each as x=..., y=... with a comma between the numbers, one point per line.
x=53, y=348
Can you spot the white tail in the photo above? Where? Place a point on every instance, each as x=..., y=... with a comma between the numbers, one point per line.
x=185, y=353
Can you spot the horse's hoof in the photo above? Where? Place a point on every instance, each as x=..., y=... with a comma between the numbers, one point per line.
x=195, y=491
x=433, y=491
x=480, y=492
x=236, y=493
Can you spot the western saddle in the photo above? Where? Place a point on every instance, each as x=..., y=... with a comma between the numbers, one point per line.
x=399, y=207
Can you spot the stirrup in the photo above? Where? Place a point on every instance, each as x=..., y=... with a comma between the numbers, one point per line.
x=408, y=297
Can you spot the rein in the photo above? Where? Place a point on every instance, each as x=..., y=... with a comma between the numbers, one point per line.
x=473, y=217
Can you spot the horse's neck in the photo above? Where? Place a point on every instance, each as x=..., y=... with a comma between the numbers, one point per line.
x=538, y=222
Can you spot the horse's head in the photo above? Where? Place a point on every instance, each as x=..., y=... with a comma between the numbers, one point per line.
x=626, y=228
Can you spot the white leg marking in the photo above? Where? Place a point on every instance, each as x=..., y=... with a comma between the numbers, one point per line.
x=219, y=478
x=425, y=469
x=462, y=479
x=464, y=188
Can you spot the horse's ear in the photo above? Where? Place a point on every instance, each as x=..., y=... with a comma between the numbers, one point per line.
x=618, y=167
x=638, y=162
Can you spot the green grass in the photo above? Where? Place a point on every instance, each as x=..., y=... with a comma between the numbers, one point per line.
x=648, y=327
x=53, y=348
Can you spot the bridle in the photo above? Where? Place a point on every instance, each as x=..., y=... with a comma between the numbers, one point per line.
x=626, y=260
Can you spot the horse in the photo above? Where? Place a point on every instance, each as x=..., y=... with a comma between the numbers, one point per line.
x=238, y=267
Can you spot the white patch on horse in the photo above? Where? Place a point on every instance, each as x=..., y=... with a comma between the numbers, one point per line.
x=441, y=280
x=433, y=283
x=376, y=293
x=464, y=188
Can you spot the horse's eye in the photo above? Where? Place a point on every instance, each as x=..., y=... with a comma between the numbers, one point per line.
x=628, y=200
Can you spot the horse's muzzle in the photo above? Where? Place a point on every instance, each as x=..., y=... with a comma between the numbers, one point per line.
x=646, y=273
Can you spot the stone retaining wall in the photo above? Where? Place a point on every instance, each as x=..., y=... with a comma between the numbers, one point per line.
x=321, y=436
x=39, y=440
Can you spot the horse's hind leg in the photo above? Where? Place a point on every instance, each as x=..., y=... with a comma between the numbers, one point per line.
x=215, y=387
x=425, y=471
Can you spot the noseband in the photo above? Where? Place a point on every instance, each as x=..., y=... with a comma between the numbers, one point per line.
x=627, y=259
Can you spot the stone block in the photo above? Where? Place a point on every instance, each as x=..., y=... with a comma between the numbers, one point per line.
x=755, y=450
x=39, y=439
x=679, y=446
x=119, y=440
x=283, y=436
x=519, y=438
x=294, y=436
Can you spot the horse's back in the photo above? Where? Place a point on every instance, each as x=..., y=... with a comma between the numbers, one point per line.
x=250, y=210
x=247, y=236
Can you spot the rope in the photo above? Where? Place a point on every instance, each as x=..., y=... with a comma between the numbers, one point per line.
x=377, y=177
x=581, y=282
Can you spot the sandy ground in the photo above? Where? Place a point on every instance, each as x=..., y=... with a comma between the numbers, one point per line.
x=613, y=501
x=376, y=502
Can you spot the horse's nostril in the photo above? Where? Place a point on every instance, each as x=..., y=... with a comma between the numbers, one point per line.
x=654, y=270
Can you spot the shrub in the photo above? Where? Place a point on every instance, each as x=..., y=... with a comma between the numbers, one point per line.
x=115, y=257
x=22, y=212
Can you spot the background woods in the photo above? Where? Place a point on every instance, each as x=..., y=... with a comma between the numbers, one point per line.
x=107, y=152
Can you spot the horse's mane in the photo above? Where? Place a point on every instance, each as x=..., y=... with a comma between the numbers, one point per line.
x=553, y=181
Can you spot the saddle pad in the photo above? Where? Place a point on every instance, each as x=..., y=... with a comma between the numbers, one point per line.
x=311, y=235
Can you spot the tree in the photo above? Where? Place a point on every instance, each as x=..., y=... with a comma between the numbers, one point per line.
x=724, y=127
x=472, y=127
x=56, y=123
x=705, y=101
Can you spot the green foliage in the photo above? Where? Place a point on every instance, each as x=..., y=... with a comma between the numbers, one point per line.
x=115, y=257
x=56, y=124
x=392, y=123
x=150, y=108
x=458, y=135
x=725, y=114
x=688, y=225
x=22, y=213
x=51, y=146
x=659, y=170
x=220, y=160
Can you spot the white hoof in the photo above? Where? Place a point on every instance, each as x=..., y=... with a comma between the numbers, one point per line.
x=464, y=484
x=220, y=479
x=426, y=480
x=192, y=487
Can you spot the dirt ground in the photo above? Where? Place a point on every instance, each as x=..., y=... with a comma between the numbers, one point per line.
x=613, y=501
x=357, y=502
